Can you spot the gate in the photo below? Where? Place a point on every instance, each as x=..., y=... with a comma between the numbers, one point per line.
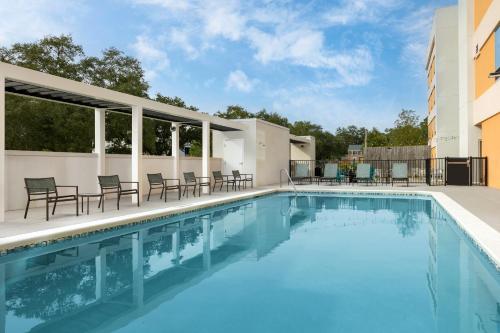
x=458, y=171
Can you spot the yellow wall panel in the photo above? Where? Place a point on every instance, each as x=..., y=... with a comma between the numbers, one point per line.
x=484, y=65
x=491, y=148
x=480, y=8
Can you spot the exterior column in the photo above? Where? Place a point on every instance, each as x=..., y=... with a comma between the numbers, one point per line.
x=3, y=180
x=100, y=141
x=205, y=161
x=138, y=269
x=100, y=274
x=175, y=149
x=137, y=149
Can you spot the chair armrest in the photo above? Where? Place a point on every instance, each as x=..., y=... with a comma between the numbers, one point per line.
x=68, y=186
x=129, y=182
x=166, y=180
x=204, y=177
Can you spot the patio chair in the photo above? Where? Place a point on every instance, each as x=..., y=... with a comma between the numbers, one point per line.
x=223, y=179
x=400, y=173
x=364, y=173
x=112, y=184
x=331, y=173
x=242, y=178
x=192, y=181
x=156, y=181
x=46, y=189
x=301, y=173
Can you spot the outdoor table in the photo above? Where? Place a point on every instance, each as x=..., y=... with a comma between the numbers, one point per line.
x=92, y=195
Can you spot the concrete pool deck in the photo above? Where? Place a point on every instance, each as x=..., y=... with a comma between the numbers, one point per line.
x=468, y=205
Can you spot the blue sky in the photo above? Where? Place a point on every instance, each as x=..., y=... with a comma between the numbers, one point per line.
x=335, y=63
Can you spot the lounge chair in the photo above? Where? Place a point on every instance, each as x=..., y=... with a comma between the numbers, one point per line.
x=46, y=189
x=156, y=181
x=364, y=173
x=400, y=173
x=243, y=178
x=331, y=173
x=112, y=184
x=192, y=181
x=223, y=179
x=301, y=173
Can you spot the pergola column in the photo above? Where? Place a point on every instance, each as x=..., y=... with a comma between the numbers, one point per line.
x=205, y=160
x=137, y=149
x=3, y=184
x=175, y=129
x=100, y=140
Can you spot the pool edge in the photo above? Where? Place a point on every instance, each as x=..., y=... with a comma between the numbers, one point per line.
x=482, y=234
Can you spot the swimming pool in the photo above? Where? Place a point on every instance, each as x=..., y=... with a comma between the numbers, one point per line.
x=278, y=263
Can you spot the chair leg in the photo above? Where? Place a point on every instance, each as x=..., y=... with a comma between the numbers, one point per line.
x=77, y=213
x=26, y=210
x=54, y=209
x=100, y=201
x=214, y=186
x=138, y=203
x=179, y=192
x=118, y=201
x=199, y=191
x=163, y=191
x=184, y=192
x=149, y=193
x=47, y=209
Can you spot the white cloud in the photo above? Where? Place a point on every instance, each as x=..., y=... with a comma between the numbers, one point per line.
x=24, y=20
x=238, y=80
x=416, y=38
x=153, y=58
x=277, y=31
x=356, y=11
x=168, y=4
x=182, y=39
x=223, y=18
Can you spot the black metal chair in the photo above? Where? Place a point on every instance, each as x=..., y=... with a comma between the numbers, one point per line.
x=46, y=189
x=112, y=184
x=242, y=178
x=223, y=179
x=156, y=181
x=192, y=181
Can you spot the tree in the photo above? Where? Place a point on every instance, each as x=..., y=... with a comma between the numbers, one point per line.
x=273, y=117
x=235, y=112
x=407, y=130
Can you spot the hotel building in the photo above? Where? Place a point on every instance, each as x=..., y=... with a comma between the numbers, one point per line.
x=463, y=67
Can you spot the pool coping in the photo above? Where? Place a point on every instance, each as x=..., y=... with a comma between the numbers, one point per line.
x=483, y=235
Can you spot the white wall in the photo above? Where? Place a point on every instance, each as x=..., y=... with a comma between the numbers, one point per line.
x=303, y=151
x=272, y=152
x=81, y=169
x=446, y=78
x=267, y=149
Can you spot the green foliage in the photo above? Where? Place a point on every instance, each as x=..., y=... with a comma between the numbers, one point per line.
x=48, y=126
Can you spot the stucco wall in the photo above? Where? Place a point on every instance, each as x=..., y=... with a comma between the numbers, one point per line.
x=81, y=169
x=266, y=149
x=491, y=149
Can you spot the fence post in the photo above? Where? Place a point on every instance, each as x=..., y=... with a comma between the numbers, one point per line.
x=445, y=171
x=471, y=170
x=485, y=171
x=428, y=171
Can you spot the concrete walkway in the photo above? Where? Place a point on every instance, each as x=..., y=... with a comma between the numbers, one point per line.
x=481, y=201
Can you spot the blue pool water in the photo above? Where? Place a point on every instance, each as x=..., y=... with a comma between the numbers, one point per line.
x=311, y=263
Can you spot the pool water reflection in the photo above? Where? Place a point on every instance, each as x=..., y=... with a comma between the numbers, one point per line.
x=322, y=263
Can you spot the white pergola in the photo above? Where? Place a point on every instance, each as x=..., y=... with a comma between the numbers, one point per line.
x=26, y=82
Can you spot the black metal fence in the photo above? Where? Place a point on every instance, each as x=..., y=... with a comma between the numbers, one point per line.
x=431, y=171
